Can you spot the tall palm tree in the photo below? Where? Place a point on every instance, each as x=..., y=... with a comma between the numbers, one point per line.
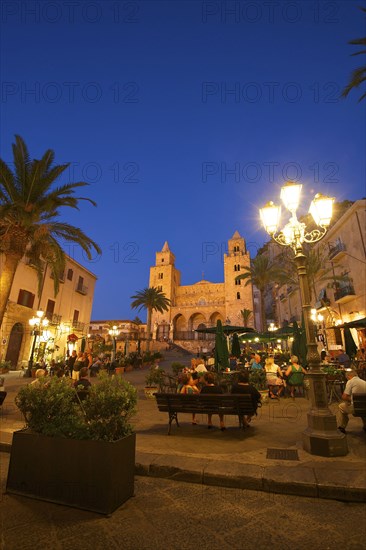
x=246, y=315
x=318, y=268
x=29, y=213
x=151, y=299
x=358, y=76
x=261, y=272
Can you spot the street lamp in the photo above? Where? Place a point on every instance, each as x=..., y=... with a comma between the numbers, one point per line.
x=114, y=332
x=38, y=323
x=321, y=437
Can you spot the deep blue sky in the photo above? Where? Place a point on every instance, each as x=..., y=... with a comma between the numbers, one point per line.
x=151, y=101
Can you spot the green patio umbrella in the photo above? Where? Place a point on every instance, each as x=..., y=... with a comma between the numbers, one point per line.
x=221, y=349
x=349, y=343
x=235, y=346
x=299, y=346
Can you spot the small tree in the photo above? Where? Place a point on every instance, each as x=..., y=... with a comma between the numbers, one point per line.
x=151, y=299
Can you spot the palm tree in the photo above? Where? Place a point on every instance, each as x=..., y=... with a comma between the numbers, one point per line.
x=29, y=211
x=358, y=76
x=318, y=269
x=261, y=272
x=246, y=315
x=151, y=299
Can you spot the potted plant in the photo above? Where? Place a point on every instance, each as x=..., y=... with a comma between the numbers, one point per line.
x=5, y=367
x=153, y=380
x=81, y=454
x=177, y=367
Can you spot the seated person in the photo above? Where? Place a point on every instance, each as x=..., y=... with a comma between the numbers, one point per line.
x=243, y=386
x=354, y=385
x=200, y=368
x=274, y=377
x=343, y=359
x=83, y=383
x=188, y=385
x=294, y=374
x=211, y=387
x=256, y=364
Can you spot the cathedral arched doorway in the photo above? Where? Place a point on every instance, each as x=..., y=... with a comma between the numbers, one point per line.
x=15, y=342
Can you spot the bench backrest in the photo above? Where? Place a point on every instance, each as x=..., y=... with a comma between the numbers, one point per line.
x=207, y=403
x=359, y=404
x=3, y=394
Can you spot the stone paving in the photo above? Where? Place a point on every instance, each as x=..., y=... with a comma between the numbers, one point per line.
x=184, y=516
x=233, y=458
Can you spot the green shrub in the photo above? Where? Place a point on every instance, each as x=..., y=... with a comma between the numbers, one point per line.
x=177, y=367
x=154, y=377
x=51, y=408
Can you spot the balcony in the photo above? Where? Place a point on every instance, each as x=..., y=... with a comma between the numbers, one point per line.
x=282, y=296
x=337, y=251
x=77, y=325
x=290, y=290
x=53, y=318
x=82, y=289
x=344, y=294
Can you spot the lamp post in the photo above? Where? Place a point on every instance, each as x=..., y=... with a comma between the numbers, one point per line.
x=321, y=436
x=38, y=323
x=114, y=332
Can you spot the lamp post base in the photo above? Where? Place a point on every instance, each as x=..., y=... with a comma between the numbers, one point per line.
x=324, y=442
x=321, y=436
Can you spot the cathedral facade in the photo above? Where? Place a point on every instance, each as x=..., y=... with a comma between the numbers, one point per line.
x=200, y=305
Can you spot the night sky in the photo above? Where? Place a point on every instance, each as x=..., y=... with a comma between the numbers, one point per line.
x=184, y=117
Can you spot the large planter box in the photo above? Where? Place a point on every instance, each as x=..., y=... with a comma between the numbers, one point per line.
x=91, y=475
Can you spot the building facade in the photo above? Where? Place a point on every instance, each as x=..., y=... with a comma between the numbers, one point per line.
x=339, y=287
x=68, y=313
x=200, y=305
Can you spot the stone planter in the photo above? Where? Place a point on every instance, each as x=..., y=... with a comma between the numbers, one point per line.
x=90, y=475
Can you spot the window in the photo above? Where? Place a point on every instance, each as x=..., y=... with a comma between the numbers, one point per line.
x=70, y=274
x=160, y=275
x=238, y=281
x=76, y=316
x=238, y=295
x=236, y=248
x=237, y=267
x=26, y=298
x=50, y=308
x=162, y=260
x=160, y=288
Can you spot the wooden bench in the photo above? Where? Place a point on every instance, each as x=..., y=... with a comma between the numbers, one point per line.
x=3, y=394
x=225, y=404
x=359, y=405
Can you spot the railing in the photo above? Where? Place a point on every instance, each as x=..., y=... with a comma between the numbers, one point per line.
x=53, y=318
x=282, y=296
x=290, y=289
x=343, y=291
x=192, y=335
x=82, y=289
x=336, y=249
x=78, y=325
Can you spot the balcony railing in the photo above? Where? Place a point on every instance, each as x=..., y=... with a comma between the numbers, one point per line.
x=337, y=250
x=78, y=325
x=282, y=296
x=290, y=289
x=344, y=293
x=82, y=289
x=53, y=318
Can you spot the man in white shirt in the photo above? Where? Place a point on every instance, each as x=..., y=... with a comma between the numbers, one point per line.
x=354, y=385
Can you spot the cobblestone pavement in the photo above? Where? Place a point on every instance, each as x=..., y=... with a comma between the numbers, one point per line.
x=184, y=516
